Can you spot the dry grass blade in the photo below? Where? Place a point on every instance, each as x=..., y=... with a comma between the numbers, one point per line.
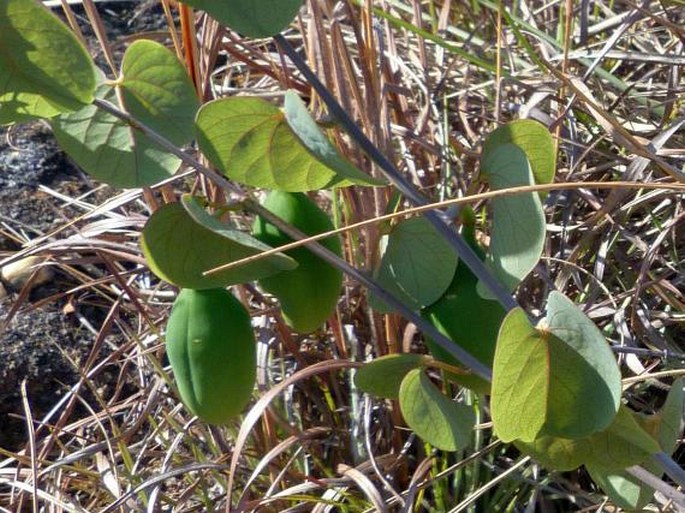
x=365, y=484
x=513, y=469
x=425, y=82
x=160, y=479
x=471, y=199
x=258, y=409
x=412, y=490
x=308, y=436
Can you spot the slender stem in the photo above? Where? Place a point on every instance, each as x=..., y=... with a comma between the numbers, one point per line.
x=671, y=468
x=437, y=219
x=426, y=327
x=657, y=483
x=667, y=464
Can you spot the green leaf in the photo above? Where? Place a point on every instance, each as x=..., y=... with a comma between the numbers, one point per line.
x=561, y=454
x=565, y=320
x=518, y=225
x=534, y=139
x=469, y=321
x=305, y=128
x=670, y=418
x=542, y=385
x=439, y=421
x=623, y=444
x=625, y=490
x=252, y=18
x=44, y=69
x=156, y=90
x=249, y=140
x=181, y=241
x=466, y=318
x=417, y=266
x=110, y=150
x=383, y=376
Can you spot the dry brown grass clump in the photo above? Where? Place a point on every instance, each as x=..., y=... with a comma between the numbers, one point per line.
x=426, y=81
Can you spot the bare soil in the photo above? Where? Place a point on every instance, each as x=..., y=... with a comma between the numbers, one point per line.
x=44, y=345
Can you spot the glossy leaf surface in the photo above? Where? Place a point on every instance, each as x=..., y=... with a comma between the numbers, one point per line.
x=439, y=421
x=181, y=243
x=44, y=69
x=383, y=376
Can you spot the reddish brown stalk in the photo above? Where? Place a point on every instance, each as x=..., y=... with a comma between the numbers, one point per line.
x=185, y=14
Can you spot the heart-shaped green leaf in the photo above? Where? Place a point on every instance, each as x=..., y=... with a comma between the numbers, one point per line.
x=383, y=376
x=518, y=224
x=180, y=244
x=249, y=140
x=545, y=386
x=439, y=421
x=307, y=131
x=44, y=69
x=252, y=18
x=565, y=320
x=534, y=139
x=156, y=90
x=417, y=266
x=110, y=150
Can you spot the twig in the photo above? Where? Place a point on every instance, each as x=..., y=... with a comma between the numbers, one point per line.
x=656, y=483
x=473, y=198
x=438, y=220
x=426, y=327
